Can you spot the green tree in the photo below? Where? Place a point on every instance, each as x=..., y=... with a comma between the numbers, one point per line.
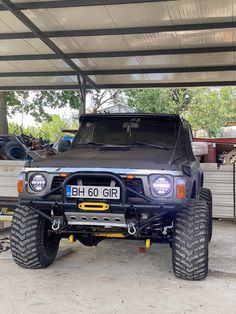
x=35, y=104
x=52, y=129
x=52, y=99
x=3, y=114
x=211, y=109
x=14, y=128
x=10, y=102
x=205, y=108
x=104, y=97
x=159, y=100
x=49, y=129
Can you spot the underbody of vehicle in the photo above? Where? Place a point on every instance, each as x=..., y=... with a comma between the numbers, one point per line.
x=130, y=176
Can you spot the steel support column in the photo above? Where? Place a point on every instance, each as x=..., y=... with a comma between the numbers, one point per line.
x=83, y=90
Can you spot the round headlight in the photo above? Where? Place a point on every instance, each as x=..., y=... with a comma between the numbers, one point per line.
x=162, y=186
x=37, y=182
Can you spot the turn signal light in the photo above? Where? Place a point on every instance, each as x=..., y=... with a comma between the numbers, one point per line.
x=64, y=174
x=130, y=177
x=20, y=184
x=180, y=189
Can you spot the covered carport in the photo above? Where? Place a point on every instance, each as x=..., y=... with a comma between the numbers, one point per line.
x=116, y=44
x=98, y=44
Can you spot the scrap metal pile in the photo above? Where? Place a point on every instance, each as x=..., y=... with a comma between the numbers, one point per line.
x=24, y=147
x=215, y=150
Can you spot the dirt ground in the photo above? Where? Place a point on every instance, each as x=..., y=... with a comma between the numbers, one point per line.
x=115, y=278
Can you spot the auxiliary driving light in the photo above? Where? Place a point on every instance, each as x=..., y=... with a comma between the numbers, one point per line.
x=37, y=182
x=162, y=186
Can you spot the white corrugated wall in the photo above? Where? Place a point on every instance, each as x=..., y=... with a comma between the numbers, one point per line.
x=220, y=182
x=9, y=172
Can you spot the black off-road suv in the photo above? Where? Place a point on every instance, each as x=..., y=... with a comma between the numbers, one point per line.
x=130, y=176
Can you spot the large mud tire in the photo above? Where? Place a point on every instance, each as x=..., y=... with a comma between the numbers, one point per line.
x=205, y=194
x=190, y=242
x=32, y=245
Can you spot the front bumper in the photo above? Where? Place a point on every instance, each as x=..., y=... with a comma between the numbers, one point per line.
x=121, y=214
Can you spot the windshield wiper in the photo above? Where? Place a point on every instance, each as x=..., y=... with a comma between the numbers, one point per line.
x=102, y=144
x=149, y=145
x=92, y=143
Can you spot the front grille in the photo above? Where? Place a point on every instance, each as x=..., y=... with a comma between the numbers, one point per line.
x=56, y=182
x=134, y=184
x=95, y=181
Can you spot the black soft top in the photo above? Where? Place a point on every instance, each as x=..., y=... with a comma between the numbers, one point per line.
x=157, y=116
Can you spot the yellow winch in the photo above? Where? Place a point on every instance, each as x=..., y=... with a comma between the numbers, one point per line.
x=93, y=206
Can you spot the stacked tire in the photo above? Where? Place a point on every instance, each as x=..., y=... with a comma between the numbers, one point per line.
x=12, y=150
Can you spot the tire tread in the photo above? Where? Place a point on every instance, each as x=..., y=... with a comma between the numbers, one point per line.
x=190, y=242
x=26, y=242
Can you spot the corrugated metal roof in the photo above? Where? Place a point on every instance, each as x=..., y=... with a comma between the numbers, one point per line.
x=117, y=43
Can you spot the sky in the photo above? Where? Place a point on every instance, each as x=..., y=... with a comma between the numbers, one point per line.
x=28, y=120
x=65, y=113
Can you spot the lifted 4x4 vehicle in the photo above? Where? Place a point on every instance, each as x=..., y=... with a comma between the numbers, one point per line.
x=131, y=176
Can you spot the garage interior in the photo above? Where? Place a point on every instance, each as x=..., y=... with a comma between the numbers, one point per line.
x=109, y=44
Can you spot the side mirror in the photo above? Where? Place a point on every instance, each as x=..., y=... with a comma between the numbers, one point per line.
x=63, y=146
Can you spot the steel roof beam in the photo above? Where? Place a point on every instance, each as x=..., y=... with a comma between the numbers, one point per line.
x=167, y=85
x=113, y=54
x=219, y=68
x=124, y=86
x=50, y=44
x=41, y=87
x=37, y=74
x=121, y=31
x=74, y=3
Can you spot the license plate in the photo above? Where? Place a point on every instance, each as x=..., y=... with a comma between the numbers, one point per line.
x=101, y=192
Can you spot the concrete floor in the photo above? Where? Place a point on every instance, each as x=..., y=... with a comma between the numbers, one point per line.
x=115, y=278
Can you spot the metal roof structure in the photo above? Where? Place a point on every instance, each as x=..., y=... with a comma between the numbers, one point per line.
x=67, y=44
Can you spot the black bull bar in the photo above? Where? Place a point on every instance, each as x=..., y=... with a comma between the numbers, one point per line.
x=43, y=204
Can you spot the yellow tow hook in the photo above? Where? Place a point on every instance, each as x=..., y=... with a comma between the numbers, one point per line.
x=148, y=243
x=71, y=239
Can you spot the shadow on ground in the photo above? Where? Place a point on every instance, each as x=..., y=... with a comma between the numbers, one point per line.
x=115, y=278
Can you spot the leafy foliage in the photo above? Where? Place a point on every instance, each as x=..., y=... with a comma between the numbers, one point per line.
x=205, y=108
x=104, y=97
x=40, y=101
x=211, y=109
x=36, y=104
x=51, y=130
x=159, y=100
x=14, y=100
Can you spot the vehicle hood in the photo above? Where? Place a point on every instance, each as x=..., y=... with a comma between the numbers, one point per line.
x=132, y=158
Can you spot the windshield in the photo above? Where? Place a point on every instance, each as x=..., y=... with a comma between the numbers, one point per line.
x=128, y=131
